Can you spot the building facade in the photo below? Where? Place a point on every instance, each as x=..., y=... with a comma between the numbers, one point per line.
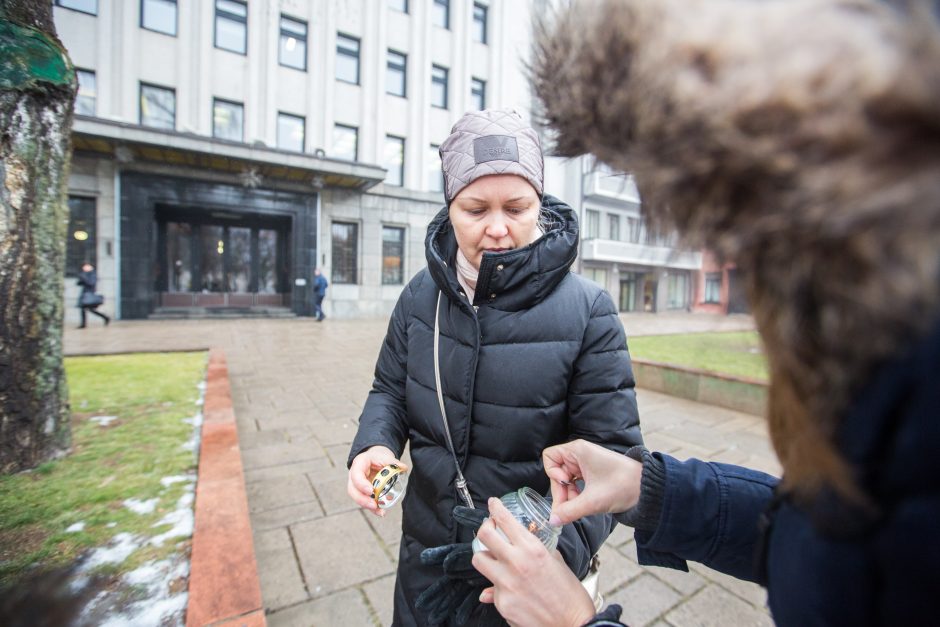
x=223, y=149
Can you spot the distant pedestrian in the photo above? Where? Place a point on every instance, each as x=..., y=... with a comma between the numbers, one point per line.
x=89, y=300
x=319, y=293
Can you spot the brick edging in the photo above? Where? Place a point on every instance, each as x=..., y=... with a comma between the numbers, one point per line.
x=223, y=580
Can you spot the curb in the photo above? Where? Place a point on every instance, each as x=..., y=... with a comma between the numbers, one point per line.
x=224, y=588
x=738, y=393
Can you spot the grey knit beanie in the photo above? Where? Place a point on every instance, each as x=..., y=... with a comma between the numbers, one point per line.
x=493, y=141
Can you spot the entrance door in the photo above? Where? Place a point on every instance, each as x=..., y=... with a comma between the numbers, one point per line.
x=207, y=264
x=628, y=292
x=649, y=295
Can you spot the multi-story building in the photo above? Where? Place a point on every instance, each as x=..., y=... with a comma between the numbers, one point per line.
x=642, y=270
x=223, y=149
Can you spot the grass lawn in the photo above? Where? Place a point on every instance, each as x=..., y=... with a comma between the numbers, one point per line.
x=51, y=515
x=737, y=353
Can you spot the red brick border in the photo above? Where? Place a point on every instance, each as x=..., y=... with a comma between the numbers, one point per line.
x=223, y=578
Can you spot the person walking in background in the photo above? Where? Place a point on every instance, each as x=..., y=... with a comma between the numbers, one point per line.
x=319, y=293
x=88, y=300
x=498, y=343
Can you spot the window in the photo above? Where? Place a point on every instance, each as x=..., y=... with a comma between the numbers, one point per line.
x=713, y=287
x=80, y=246
x=614, y=221
x=87, y=92
x=345, y=142
x=440, y=13
x=396, y=74
x=439, y=86
x=677, y=293
x=293, y=44
x=159, y=16
x=435, y=175
x=592, y=224
x=398, y=5
x=227, y=120
x=635, y=226
x=479, y=22
x=395, y=160
x=345, y=236
x=85, y=6
x=231, y=25
x=290, y=132
x=393, y=250
x=157, y=107
x=347, y=59
x=478, y=94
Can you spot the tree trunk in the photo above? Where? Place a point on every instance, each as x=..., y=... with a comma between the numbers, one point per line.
x=37, y=92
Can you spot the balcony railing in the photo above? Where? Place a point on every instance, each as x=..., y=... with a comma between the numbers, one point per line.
x=640, y=254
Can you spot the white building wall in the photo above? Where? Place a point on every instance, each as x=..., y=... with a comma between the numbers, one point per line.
x=122, y=55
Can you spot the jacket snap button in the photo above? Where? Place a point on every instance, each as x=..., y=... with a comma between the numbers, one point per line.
x=492, y=296
x=499, y=268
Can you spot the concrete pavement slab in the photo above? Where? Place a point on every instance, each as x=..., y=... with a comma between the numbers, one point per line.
x=267, y=494
x=339, y=551
x=380, y=594
x=343, y=608
x=715, y=607
x=283, y=517
x=644, y=600
x=281, y=582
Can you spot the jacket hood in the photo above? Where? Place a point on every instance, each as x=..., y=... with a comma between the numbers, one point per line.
x=514, y=279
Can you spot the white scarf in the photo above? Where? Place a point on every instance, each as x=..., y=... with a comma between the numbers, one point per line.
x=466, y=275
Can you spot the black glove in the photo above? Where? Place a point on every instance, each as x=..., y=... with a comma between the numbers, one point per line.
x=457, y=593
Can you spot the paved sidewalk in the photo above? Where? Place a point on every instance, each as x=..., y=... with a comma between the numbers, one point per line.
x=298, y=387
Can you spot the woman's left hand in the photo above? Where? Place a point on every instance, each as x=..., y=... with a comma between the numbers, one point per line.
x=530, y=585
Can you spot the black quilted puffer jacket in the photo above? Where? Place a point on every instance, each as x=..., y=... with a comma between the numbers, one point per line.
x=540, y=358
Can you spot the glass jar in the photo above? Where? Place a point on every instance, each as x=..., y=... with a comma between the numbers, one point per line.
x=532, y=511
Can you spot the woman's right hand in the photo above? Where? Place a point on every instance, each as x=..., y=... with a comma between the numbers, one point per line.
x=611, y=480
x=363, y=467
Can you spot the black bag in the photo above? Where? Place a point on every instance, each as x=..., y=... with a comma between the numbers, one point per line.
x=90, y=299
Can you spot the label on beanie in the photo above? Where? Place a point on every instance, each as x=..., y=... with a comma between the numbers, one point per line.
x=495, y=148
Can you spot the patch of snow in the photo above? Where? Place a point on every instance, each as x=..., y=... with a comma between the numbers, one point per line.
x=168, y=481
x=104, y=421
x=111, y=525
x=199, y=401
x=141, y=507
x=195, y=420
x=123, y=545
x=79, y=526
x=189, y=445
x=156, y=605
x=181, y=518
x=201, y=386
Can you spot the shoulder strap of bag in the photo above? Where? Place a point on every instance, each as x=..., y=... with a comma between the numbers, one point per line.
x=461, y=482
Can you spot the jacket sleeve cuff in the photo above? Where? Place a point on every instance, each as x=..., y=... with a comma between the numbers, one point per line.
x=610, y=617
x=646, y=513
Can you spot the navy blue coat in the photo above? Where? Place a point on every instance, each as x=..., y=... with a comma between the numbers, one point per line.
x=827, y=563
x=540, y=359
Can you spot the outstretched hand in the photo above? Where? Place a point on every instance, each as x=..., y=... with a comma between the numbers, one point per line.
x=611, y=480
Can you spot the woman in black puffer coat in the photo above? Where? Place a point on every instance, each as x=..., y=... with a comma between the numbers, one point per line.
x=530, y=354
